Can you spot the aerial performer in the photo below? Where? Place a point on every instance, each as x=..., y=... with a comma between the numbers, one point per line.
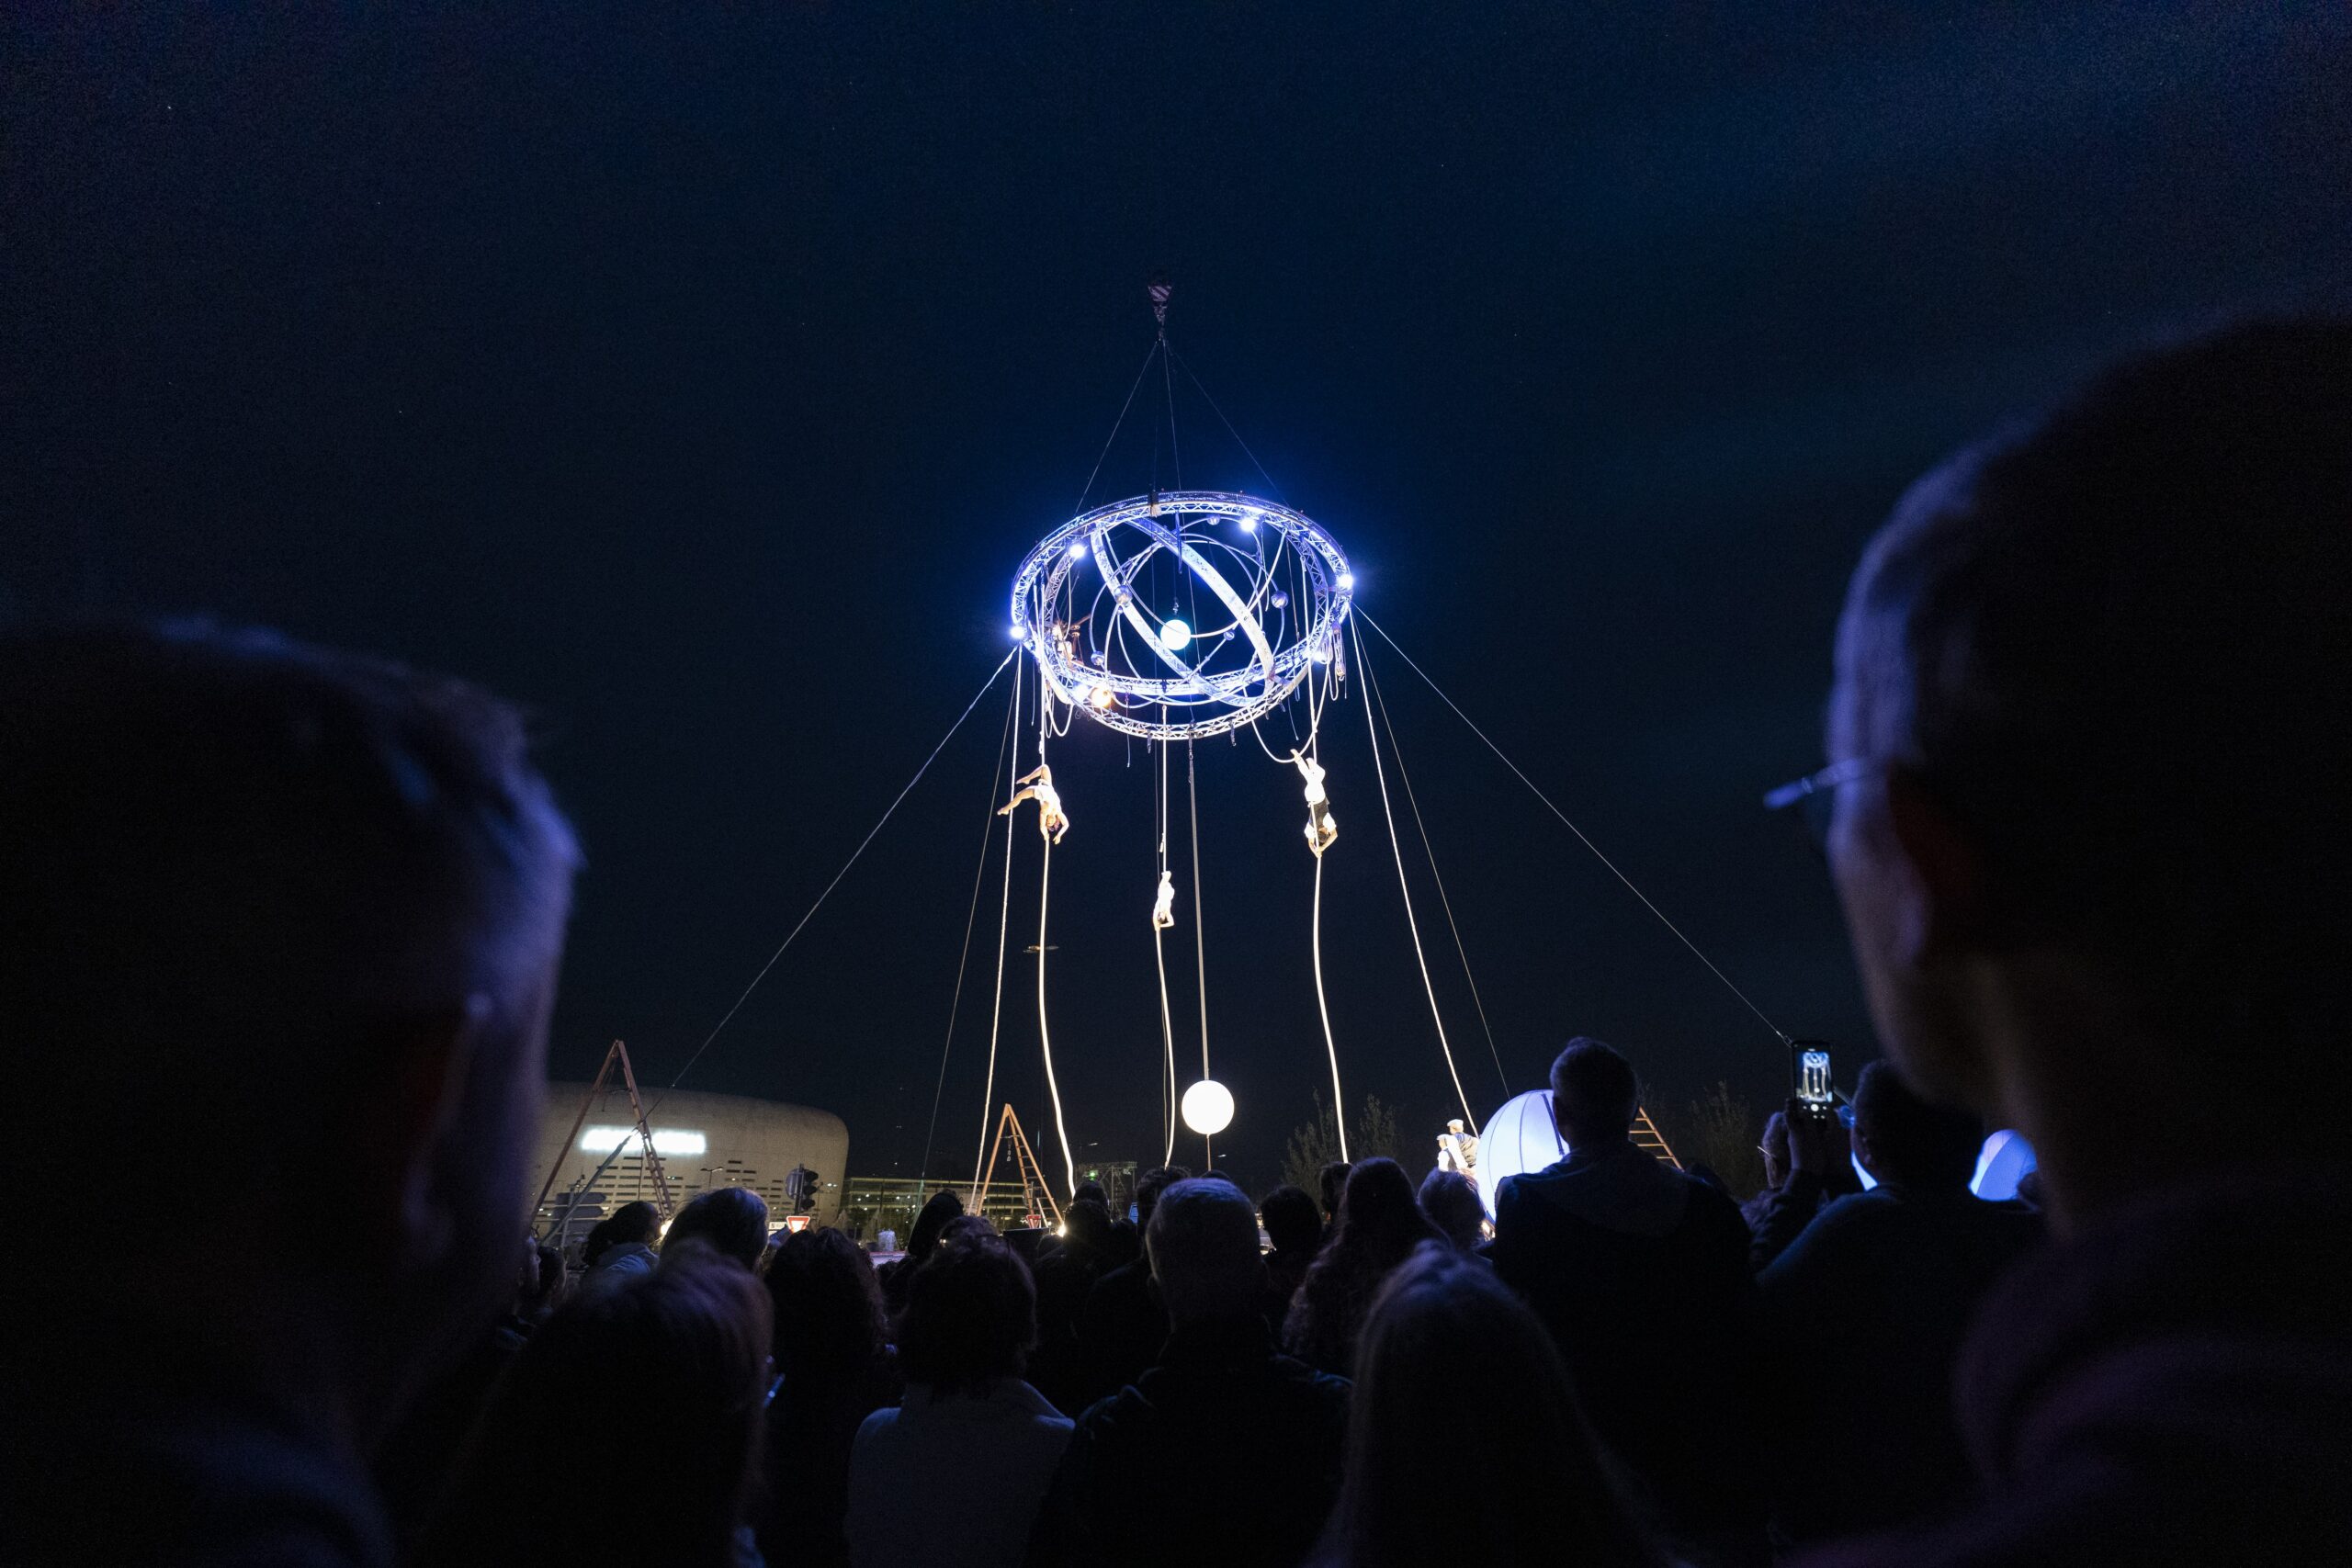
x=1322, y=827
x=1052, y=821
x=1163, y=904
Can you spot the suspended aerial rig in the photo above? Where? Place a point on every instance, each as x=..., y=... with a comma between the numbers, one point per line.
x=1172, y=617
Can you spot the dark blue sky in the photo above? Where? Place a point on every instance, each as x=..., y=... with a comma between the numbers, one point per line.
x=701, y=384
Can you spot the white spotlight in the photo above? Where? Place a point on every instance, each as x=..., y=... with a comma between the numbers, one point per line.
x=1248, y=521
x=1208, y=1107
x=1078, y=549
x=1347, y=581
x=1175, y=635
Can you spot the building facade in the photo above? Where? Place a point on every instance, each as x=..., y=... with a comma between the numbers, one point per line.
x=702, y=1140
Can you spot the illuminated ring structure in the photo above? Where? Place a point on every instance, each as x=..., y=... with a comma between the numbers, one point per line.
x=1079, y=607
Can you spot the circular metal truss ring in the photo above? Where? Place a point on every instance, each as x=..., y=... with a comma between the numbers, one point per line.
x=1159, y=677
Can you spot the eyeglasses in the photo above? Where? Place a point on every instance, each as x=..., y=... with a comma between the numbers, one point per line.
x=1815, y=797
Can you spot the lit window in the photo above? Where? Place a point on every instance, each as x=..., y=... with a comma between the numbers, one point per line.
x=668, y=1141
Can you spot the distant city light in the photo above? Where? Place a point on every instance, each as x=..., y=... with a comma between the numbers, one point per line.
x=667, y=1140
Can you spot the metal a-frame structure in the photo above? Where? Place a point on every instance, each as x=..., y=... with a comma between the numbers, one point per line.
x=1036, y=1193
x=616, y=1053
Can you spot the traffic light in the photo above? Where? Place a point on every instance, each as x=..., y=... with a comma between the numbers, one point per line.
x=801, y=1186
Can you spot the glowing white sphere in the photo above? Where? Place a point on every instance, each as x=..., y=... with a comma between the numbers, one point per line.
x=1208, y=1107
x=1261, y=600
x=1517, y=1139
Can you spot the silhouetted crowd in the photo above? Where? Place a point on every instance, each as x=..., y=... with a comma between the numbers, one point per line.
x=296, y=915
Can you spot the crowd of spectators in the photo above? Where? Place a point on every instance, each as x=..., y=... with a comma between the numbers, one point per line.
x=2086, y=733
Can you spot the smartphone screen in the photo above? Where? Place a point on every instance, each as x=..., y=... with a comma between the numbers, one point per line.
x=1812, y=1077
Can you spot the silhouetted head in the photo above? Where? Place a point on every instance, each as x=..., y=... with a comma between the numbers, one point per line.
x=1151, y=1184
x=1594, y=1093
x=1204, y=1244
x=640, y=1221
x=682, y=1352
x=1443, y=1339
x=1379, y=1211
x=1089, y=1223
x=828, y=1318
x=1451, y=1201
x=733, y=1220
x=971, y=1316
x=339, y=887
x=1903, y=1141
x=2090, y=682
x=1291, y=1220
x=941, y=1207
x=1329, y=1183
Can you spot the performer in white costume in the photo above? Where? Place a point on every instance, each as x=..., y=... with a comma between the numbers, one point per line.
x=1052, y=821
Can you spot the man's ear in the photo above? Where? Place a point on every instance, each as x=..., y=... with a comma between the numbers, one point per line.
x=1862, y=1151
x=1944, y=904
x=402, y=1130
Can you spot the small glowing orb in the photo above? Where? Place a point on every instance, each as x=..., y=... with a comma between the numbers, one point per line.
x=1347, y=581
x=1078, y=549
x=1018, y=632
x=1280, y=598
x=1102, y=697
x=1208, y=1107
x=1175, y=636
x=1248, y=521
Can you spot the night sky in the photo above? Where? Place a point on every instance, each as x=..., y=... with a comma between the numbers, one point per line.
x=701, y=384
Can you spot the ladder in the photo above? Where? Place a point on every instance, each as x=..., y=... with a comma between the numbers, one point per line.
x=1036, y=1193
x=1646, y=1135
x=617, y=1052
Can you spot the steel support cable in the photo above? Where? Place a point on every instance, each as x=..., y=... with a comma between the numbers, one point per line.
x=1371, y=692
x=963, y=960
x=1228, y=423
x=1133, y=388
x=1777, y=1032
x=1396, y=846
x=1338, y=1106
x=803, y=923
x=1003, y=929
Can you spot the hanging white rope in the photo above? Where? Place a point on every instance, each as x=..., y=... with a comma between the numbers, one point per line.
x=836, y=882
x=1003, y=929
x=1045, y=1037
x=1777, y=1032
x=1372, y=695
x=1200, y=919
x=1339, y=1105
x=1404, y=887
x=1160, y=961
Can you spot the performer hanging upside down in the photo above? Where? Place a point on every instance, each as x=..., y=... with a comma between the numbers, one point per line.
x=1163, y=905
x=1322, y=827
x=1052, y=821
